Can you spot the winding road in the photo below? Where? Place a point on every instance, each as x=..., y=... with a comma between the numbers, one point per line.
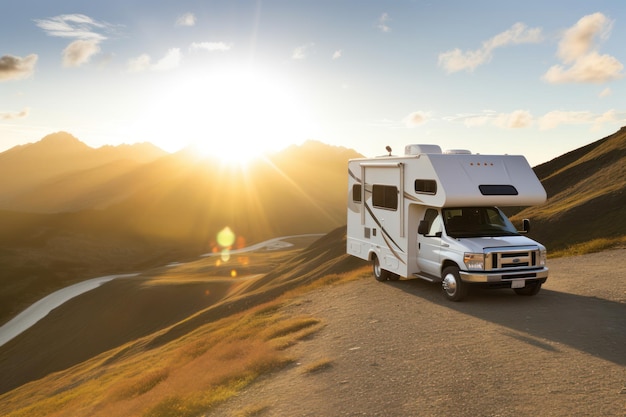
x=41, y=308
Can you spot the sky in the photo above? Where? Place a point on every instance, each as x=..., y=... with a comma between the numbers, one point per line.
x=238, y=78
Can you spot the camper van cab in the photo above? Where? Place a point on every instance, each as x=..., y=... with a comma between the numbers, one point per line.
x=435, y=215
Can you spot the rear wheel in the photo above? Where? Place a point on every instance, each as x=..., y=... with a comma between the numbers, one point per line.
x=379, y=273
x=453, y=288
x=531, y=288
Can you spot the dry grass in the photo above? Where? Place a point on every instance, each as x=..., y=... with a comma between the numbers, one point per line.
x=596, y=245
x=318, y=365
x=185, y=377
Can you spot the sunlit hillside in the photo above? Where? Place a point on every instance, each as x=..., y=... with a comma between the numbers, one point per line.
x=191, y=316
x=74, y=212
x=586, y=195
x=78, y=212
x=165, y=311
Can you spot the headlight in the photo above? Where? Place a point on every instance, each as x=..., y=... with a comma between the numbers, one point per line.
x=543, y=256
x=474, y=261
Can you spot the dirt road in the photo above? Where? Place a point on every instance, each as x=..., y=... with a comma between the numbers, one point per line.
x=400, y=349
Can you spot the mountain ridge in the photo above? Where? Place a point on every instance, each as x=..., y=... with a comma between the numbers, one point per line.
x=586, y=194
x=25, y=169
x=126, y=216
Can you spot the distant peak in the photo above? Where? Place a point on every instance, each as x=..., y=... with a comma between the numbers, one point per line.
x=62, y=139
x=60, y=136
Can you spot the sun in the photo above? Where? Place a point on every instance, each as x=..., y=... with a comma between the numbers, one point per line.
x=233, y=114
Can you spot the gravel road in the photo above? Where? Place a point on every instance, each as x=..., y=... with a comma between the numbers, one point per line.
x=400, y=349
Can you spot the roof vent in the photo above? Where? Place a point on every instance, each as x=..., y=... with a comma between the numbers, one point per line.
x=420, y=149
x=457, y=152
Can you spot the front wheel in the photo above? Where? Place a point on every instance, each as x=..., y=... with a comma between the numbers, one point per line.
x=453, y=288
x=379, y=273
x=531, y=288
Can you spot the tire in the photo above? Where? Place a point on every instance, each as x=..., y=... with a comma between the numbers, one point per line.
x=379, y=273
x=453, y=288
x=531, y=288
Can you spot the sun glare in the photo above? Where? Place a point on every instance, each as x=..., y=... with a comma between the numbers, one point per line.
x=233, y=115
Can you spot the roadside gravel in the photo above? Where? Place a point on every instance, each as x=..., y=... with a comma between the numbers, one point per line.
x=400, y=349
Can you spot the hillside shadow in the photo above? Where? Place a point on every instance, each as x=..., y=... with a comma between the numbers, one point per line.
x=589, y=324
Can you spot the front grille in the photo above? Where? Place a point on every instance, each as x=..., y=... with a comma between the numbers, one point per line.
x=508, y=259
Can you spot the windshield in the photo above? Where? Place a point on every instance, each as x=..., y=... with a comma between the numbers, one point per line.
x=477, y=222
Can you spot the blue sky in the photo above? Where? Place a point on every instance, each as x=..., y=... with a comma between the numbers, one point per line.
x=238, y=78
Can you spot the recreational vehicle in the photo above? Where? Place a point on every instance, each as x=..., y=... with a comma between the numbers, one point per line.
x=435, y=215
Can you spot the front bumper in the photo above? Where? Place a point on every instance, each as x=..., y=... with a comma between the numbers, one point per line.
x=504, y=276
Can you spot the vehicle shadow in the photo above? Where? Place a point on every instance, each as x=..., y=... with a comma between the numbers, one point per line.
x=588, y=324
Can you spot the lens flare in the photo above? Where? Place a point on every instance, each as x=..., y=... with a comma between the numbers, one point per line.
x=226, y=237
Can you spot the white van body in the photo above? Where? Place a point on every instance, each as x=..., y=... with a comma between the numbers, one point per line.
x=434, y=215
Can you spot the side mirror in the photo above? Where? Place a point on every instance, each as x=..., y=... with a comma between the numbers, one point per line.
x=526, y=226
x=424, y=227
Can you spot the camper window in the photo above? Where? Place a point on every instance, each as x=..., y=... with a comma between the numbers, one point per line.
x=497, y=190
x=426, y=186
x=356, y=193
x=385, y=196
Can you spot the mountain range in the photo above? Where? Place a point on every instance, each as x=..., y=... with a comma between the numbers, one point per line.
x=70, y=212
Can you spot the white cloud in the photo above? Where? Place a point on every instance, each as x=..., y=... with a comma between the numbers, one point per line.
x=301, y=52
x=79, y=52
x=87, y=32
x=77, y=26
x=520, y=119
x=578, y=51
x=337, y=54
x=383, y=21
x=590, y=68
x=610, y=116
x=17, y=68
x=415, y=119
x=555, y=118
x=457, y=60
x=187, y=19
x=139, y=64
x=517, y=119
x=170, y=61
x=605, y=93
x=210, y=46
x=579, y=40
x=12, y=116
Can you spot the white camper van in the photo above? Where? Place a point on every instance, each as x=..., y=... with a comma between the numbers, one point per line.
x=434, y=215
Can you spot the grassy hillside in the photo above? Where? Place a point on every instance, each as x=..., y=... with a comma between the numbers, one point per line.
x=586, y=195
x=136, y=214
x=200, y=332
x=192, y=325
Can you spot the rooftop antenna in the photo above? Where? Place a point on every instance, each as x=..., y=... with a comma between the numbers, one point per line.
x=388, y=149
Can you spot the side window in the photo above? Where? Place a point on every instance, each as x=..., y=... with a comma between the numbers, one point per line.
x=356, y=193
x=426, y=186
x=385, y=196
x=434, y=219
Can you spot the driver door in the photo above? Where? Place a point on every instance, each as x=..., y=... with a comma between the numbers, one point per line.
x=429, y=244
